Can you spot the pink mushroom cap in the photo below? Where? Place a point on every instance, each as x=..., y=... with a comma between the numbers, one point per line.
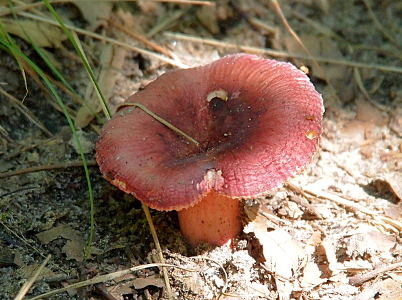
x=257, y=121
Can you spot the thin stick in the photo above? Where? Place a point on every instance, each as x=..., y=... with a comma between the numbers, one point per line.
x=158, y=249
x=341, y=201
x=350, y=204
x=296, y=37
x=140, y=38
x=25, y=111
x=378, y=24
x=46, y=168
x=276, y=53
x=165, y=23
x=106, y=39
x=27, y=285
x=364, y=91
x=103, y=278
x=361, y=278
x=25, y=6
x=195, y=2
x=163, y=121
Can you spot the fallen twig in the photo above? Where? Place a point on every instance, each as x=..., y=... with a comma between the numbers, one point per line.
x=361, y=278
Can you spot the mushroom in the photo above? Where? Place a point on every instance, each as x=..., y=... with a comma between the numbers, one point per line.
x=253, y=123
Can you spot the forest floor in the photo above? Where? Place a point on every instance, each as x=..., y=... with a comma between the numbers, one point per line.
x=332, y=232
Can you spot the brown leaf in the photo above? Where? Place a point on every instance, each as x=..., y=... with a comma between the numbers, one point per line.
x=43, y=34
x=94, y=16
x=140, y=283
x=74, y=247
x=111, y=61
x=282, y=254
x=321, y=46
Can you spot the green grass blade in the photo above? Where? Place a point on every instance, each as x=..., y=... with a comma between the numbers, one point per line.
x=56, y=71
x=17, y=52
x=82, y=56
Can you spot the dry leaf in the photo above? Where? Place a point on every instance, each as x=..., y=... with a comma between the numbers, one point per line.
x=321, y=46
x=284, y=289
x=333, y=265
x=389, y=186
x=396, y=121
x=357, y=265
x=207, y=15
x=367, y=240
x=97, y=16
x=87, y=146
x=366, y=112
x=282, y=254
x=311, y=276
x=394, y=211
x=43, y=34
x=74, y=247
x=111, y=61
x=46, y=273
x=290, y=209
x=391, y=289
x=369, y=292
x=154, y=280
x=191, y=281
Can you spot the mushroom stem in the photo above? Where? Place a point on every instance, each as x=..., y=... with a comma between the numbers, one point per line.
x=214, y=220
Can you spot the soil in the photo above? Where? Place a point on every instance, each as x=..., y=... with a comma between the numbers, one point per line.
x=332, y=232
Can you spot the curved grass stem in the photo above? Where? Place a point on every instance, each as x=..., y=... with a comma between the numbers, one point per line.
x=158, y=249
x=163, y=121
